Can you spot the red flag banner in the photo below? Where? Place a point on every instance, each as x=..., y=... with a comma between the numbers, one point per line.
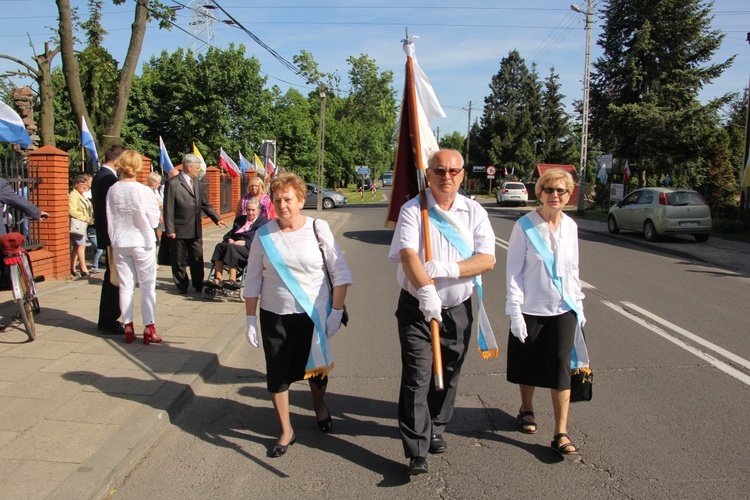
x=228, y=164
x=415, y=138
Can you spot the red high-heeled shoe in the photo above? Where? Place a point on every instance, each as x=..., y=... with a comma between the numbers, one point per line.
x=129, y=333
x=149, y=335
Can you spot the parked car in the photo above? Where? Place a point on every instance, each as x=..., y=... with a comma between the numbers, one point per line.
x=658, y=211
x=387, y=178
x=512, y=192
x=331, y=199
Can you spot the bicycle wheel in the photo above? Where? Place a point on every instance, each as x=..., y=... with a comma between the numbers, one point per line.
x=32, y=285
x=26, y=301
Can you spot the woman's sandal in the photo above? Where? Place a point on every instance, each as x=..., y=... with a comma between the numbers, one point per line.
x=526, y=426
x=563, y=449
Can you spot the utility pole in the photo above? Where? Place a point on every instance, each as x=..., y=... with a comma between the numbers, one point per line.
x=468, y=138
x=585, y=116
x=321, y=146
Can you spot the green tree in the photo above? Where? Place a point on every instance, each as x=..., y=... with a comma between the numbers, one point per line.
x=644, y=88
x=511, y=115
x=454, y=140
x=735, y=127
x=557, y=143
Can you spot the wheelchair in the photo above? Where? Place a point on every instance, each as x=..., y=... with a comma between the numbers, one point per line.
x=225, y=290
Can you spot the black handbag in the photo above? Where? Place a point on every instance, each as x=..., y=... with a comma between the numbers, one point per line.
x=581, y=383
x=345, y=315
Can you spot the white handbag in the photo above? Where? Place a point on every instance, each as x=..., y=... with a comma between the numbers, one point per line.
x=78, y=227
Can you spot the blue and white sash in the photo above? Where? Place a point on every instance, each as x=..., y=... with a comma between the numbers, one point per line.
x=579, y=357
x=281, y=255
x=485, y=338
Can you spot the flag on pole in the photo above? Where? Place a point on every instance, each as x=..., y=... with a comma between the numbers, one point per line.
x=228, y=164
x=662, y=179
x=197, y=153
x=12, y=128
x=626, y=173
x=512, y=170
x=87, y=140
x=271, y=170
x=405, y=168
x=258, y=165
x=164, y=161
x=244, y=164
x=602, y=173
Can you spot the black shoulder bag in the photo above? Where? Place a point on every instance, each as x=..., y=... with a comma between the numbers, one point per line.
x=345, y=315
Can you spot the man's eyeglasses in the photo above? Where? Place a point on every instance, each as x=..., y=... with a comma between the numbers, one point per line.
x=559, y=191
x=440, y=172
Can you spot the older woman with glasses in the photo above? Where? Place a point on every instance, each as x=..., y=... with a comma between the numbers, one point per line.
x=544, y=312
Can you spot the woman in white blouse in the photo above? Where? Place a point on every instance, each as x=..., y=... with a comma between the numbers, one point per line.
x=543, y=324
x=298, y=313
x=132, y=215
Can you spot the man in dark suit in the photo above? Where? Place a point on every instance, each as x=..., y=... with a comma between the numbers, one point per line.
x=185, y=199
x=109, y=302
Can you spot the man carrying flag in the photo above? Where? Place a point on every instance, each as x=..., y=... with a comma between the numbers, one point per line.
x=87, y=140
x=228, y=164
x=12, y=128
x=434, y=312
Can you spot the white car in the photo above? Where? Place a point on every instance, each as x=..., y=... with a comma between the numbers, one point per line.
x=512, y=192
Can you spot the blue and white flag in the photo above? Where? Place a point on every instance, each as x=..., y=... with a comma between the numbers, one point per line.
x=164, y=161
x=87, y=140
x=12, y=128
x=602, y=174
x=244, y=165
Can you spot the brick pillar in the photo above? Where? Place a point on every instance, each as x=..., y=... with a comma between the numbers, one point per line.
x=51, y=165
x=236, y=191
x=142, y=176
x=213, y=175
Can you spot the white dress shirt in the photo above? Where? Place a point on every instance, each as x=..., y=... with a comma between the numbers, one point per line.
x=527, y=278
x=408, y=234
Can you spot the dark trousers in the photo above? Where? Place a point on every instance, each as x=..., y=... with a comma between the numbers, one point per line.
x=109, y=302
x=187, y=252
x=422, y=410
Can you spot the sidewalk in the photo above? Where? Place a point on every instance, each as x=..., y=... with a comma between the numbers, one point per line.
x=79, y=409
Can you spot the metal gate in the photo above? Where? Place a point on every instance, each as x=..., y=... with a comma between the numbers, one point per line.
x=24, y=181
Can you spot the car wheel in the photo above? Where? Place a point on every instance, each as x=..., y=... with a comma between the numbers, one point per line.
x=649, y=231
x=612, y=225
x=327, y=203
x=701, y=238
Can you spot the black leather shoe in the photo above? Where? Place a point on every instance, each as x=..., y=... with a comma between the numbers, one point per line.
x=437, y=444
x=116, y=329
x=279, y=449
x=181, y=291
x=417, y=465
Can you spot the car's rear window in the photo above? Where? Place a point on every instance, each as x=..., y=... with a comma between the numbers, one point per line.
x=681, y=198
x=514, y=185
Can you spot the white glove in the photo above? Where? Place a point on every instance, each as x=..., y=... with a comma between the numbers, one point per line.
x=581, y=319
x=252, y=330
x=437, y=269
x=518, y=326
x=430, y=303
x=333, y=323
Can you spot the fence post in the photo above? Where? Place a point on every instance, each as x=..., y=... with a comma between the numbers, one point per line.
x=142, y=176
x=213, y=175
x=236, y=190
x=51, y=166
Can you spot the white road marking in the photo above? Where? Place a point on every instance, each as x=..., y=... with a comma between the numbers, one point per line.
x=698, y=340
x=720, y=365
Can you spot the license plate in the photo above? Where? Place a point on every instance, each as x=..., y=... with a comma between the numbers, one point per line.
x=689, y=224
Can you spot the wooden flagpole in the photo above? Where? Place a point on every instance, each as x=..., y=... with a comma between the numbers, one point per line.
x=437, y=356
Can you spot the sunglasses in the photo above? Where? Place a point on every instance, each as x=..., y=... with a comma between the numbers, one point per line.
x=559, y=191
x=440, y=172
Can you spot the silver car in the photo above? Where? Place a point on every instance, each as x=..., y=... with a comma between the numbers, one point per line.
x=658, y=211
x=331, y=199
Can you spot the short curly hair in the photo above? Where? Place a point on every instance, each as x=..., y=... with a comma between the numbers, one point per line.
x=550, y=177
x=286, y=180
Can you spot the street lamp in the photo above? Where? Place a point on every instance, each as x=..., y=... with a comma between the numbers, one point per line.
x=589, y=13
x=321, y=146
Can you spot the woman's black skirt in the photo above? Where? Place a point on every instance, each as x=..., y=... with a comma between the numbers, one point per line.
x=286, y=342
x=543, y=360
x=234, y=256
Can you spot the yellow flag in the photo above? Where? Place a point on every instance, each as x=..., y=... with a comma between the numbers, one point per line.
x=259, y=165
x=203, y=162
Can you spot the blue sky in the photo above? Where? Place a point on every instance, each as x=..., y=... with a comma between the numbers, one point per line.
x=460, y=45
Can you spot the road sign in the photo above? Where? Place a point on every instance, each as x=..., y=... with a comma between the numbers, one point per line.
x=361, y=170
x=491, y=170
x=490, y=176
x=477, y=168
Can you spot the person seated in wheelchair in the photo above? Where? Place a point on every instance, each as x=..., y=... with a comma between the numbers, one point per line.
x=233, y=251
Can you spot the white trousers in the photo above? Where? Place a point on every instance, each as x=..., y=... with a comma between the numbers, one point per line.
x=136, y=263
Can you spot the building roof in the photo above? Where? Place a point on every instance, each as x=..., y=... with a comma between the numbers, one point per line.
x=543, y=167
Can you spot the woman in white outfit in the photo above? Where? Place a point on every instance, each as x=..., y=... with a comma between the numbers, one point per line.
x=132, y=215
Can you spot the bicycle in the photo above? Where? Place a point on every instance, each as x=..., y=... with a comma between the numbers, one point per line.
x=22, y=282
